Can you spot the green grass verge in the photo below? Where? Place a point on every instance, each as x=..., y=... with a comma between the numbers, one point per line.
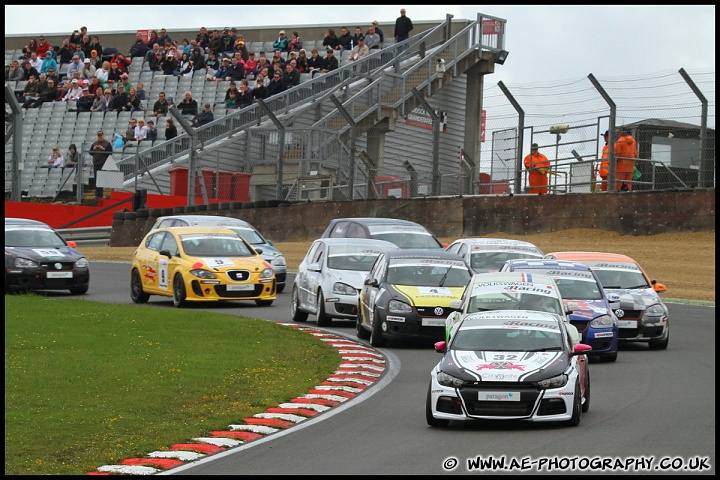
x=89, y=384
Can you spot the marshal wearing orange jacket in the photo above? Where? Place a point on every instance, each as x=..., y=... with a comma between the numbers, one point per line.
x=538, y=167
x=625, y=155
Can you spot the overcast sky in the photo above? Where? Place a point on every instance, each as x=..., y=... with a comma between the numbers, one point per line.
x=545, y=42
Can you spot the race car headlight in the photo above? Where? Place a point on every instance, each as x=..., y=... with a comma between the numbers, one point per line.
x=654, y=311
x=278, y=261
x=603, y=321
x=396, y=306
x=340, y=288
x=82, y=263
x=449, y=381
x=267, y=273
x=200, y=273
x=25, y=263
x=558, y=381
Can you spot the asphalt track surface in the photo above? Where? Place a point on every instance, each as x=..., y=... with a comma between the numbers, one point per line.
x=652, y=412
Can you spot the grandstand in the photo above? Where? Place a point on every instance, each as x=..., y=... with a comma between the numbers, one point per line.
x=331, y=137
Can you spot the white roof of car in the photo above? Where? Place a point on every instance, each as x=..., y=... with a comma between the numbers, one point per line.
x=214, y=220
x=499, y=243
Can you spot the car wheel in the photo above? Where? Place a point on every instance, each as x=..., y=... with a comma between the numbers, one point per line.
x=295, y=313
x=577, y=407
x=263, y=303
x=322, y=319
x=432, y=421
x=586, y=397
x=362, y=334
x=280, y=287
x=79, y=291
x=179, y=292
x=609, y=357
x=660, y=344
x=136, y=291
x=376, y=338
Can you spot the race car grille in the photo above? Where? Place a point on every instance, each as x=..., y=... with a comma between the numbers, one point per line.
x=429, y=312
x=51, y=266
x=631, y=314
x=552, y=406
x=238, y=275
x=221, y=291
x=528, y=399
x=581, y=325
x=628, y=333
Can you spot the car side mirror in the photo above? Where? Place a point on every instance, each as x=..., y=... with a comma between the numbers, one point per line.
x=581, y=348
x=166, y=253
x=658, y=287
x=371, y=282
x=270, y=242
x=72, y=244
x=258, y=250
x=314, y=267
x=456, y=304
x=441, y=346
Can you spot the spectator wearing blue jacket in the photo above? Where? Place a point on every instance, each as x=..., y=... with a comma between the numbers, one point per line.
x=48, y=62
x=282, y=43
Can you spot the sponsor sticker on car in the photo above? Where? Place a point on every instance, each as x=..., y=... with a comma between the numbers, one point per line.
x=59, y=274
x=433, y=322
x=499, y=396
x=240, y=288
x=628, y=323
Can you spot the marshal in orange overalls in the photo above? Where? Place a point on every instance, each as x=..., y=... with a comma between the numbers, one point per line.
x=538, y=167
x=625, y=155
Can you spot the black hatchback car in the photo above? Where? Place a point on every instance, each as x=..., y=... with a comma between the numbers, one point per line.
x=38, y=258
x=403, y=233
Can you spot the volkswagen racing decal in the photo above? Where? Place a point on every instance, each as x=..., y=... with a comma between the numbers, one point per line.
x=503, y=366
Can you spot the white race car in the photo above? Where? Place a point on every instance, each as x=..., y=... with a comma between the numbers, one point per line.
x=509, y=365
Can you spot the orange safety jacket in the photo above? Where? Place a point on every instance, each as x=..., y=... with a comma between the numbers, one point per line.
x=625, y=154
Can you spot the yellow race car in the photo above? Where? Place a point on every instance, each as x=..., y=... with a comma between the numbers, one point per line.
x=192, y=264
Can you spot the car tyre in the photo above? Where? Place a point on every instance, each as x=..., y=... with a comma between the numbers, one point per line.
x=179, y=296
x=263, y=303
x=79, y=290
x=586, y=397
x=322, y=319
x=577, y=407
x=376, y=338
x=432, y=421
x=362, y=334
x=280, y=287
x=295, y=313
x=137, y=294
x=660, y=344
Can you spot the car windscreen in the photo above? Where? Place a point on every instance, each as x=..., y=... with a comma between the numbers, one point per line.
x=216, y=245
x=493, y=261
x=621, y=278
x=358, y=259
x=404, y=236
x=252, y=236
x=428, y=274
x=482, y=300
x=574, y=288
x=28, y=236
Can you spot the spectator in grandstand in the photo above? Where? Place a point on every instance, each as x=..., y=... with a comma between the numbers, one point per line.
x=94, y=45
x=282, y=43
x=74, y=92
x=302, y=61
x=291, y=77
x=48, y=94
x=188, y=105
x=276, y=84
x=263, y=62
x=151, y=131
x=221, y=72
x=30, y=48
x=296, y=43
x=170, y=101
x=157, y=61
x=330, y=63
x=236, y=70
x=260, y=92
x=121, y=98
x=153, y=39
x=164, y=37
x=197, y=59
x=170, y=129
x=160, y=108
x=227, y=43
x=75, y=66
x=95, y=85
x=139, y=48
x=169, y=64
x=359, y=50
x=95, y=59
x=89, y=69
x=122, y=61
x=141, y=130
x=125, y=82
x=42, y=47
x=36, y=62
x=185, y=67
x=130, y=131
x=79, y=51
x=358, y=33
x=15, y=73
x=212, y=64
x=231, y=102
x=134, y=104
x=73, y=156
x=184, y=47
x=77, y=35
x=86, y=45
x=30, y=70
x=215, y=44
x=66, y=52
x=30, y=92
x=141, y=91
x=100, y=102
x=55, y=160
x=49, y=62
x=85, y=102
x=330, y=41
x=99, y=150
x=372, y=38
x=231, y=88
x=241, y=48
x=103, y=73
x=314, y=62
x=277, y=59
x=403, y=26
x=52, y=74
x=245, y=97
x=250, y=64
x=153, y=52
x=344, y=40
x=204, y=117
x=109, y=99
x=202, y=38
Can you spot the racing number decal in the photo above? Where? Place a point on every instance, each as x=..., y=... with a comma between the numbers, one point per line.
x=163, y=273
x=504, y=357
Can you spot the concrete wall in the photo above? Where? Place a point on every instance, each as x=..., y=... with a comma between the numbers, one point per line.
x=637, y=213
